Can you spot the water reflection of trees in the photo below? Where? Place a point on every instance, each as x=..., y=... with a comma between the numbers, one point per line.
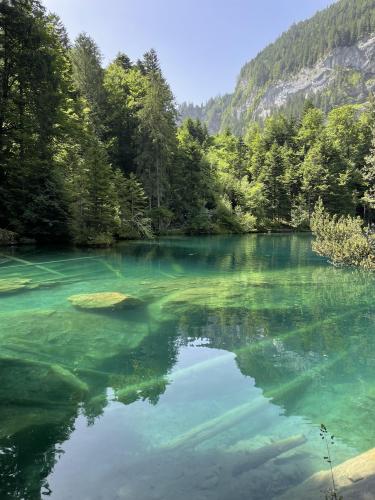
x=32, y=428
x=314, y=358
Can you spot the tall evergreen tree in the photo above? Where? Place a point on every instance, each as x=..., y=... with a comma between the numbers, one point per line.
x=125, y=90
x=277, y=207
x=133, y=202
x=94, y=205
x=33, y=87
x=192, y=166
x=88, y=78
x=156, y=133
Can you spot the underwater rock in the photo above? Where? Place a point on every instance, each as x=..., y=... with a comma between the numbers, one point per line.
x=18, y=418
x=354, y=480
x=223, y=294
x=77, y=339
x=10, y=285
x=190, y=294
x=101, y=300
x=33, y=383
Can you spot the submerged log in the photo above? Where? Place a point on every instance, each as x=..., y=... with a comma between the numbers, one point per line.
x=269, y=342
x=212, y=427
x=129, y=391
x=258, y=457
x=354, y=480
x=278, y=395
x=293, y=389
x=11, y=285
x=38, y=266
x=116, y=272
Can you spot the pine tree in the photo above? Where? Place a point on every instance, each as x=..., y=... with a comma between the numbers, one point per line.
x=156, y=141
x=88, y=78
x=132, y=200
x=271, y=176
x=125, y=89
x=192, y=166
x=94, y=205
x=123, y=61
x=33, y=88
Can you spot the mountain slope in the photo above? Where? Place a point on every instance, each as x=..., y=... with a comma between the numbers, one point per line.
x=211, y=112
x=329, y=58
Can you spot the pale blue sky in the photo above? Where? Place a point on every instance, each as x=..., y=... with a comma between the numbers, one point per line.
x=202, y=44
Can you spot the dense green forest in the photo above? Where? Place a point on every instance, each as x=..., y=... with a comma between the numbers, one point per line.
x=342, y=24
x=92, y=154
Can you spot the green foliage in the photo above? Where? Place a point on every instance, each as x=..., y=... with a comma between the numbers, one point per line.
x=94, y=208
x=161, y=218
x=33, y=69
x=125, y=87
x=133, y=206
x=87, y=74
x=343, y=240
x=156, y=132
x=368, y=174
x=91, y=154
x=192, y=165
x=202, y=223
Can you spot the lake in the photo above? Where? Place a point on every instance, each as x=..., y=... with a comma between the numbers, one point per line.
x=211, y=385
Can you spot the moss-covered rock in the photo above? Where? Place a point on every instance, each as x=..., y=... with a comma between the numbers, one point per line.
x=102, y=300
x=77, y=339
x=10, y=285
x=18, y=418
x=32, y=383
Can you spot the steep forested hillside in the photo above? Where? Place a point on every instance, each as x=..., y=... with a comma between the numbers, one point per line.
x=211, y=112
x=330, y=58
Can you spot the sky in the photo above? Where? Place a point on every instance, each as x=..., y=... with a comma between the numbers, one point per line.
x=202, y=44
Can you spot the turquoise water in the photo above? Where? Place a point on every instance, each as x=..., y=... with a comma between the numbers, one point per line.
x=234, y=344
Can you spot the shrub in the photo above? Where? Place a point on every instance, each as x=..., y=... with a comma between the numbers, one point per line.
x=344, y=240
x=161, y=218
x=246, y=220
x=91, y=239
x=201, y=223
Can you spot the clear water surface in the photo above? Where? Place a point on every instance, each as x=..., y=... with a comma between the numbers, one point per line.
x=236, y=344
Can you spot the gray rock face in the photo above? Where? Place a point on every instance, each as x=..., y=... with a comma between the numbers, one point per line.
x=358, y=61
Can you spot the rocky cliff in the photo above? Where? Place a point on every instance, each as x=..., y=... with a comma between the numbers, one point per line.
x=345, y=75
x=329, y=59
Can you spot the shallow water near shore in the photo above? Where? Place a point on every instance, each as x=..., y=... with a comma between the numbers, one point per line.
x=235, y=344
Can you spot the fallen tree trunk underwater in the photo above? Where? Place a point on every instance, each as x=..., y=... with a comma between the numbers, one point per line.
x=260, y=456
